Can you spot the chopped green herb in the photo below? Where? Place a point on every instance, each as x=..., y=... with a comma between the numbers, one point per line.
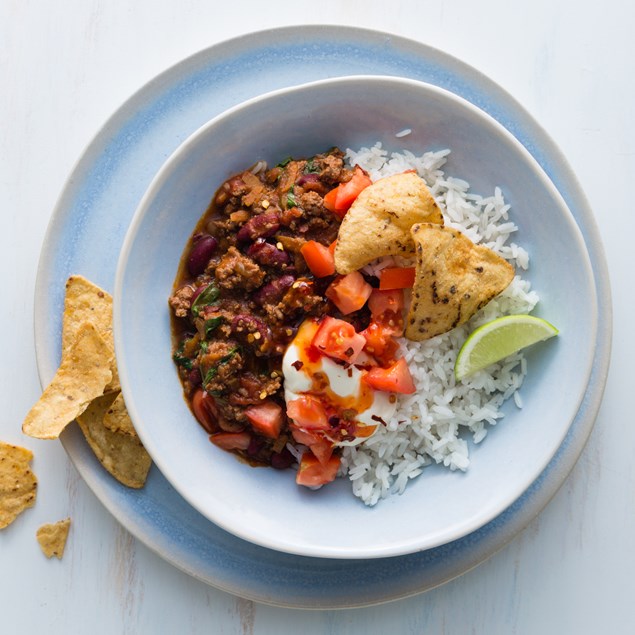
x=206, y=297
x=284, y=162
x=213, y=371
x=210, y=374
x=310, y=167
x=226, y=358
x=291, y=202
x=210, y=325
x=203, y=346
x=180, y=359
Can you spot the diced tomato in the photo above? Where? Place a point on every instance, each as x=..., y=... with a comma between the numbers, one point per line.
x=312, y=473
x=349, y=293
x=380, y=342
x=381, y=301
x=304, y=436
x=338, y=339
x=266, y=417
x=339, y=199
x=318, y=258
x=204, y=410
x=231, y=440
x=395, y=378
x=386, y=307
x=330, y=199
x=332, y=247
x=308, y=413
x=322, y=449
x=397, y=278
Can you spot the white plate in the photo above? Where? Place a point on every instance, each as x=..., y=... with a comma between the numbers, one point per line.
x=85, y=236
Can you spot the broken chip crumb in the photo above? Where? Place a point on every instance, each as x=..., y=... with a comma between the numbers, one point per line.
x=18, y=484
x=52, y=538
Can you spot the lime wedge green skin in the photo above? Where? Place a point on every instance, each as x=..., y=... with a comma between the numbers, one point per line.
x=498, y=339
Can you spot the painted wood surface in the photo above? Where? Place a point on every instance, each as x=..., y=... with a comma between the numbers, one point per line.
x=65, y=67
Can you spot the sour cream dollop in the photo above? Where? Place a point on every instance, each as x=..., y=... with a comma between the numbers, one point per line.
x=337, y=385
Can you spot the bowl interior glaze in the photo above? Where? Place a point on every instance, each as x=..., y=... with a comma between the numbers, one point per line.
x=265, y=506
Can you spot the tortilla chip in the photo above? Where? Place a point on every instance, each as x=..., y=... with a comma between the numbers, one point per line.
x=86, y=302
x=121, y=454
x=18, y=484
x=454, y=279
x=52, y=538
x=117, y=418
x=379, y=221
x=82, y=376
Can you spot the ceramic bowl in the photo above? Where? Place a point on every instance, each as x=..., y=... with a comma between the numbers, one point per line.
x=265, y=506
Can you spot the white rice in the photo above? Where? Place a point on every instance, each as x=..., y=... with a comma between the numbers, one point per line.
x=430, y=426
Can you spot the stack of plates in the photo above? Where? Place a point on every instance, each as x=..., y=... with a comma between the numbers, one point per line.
x=86, y=234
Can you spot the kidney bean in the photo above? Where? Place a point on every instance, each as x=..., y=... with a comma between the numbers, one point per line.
x=200, y=254
x=261, y=226
x=197, y=292
x=265, y=253
x=245, y=325
x=255, y=445
x=311, y=183
x=282, y=460
x=272, y=291
x=195, y=377
x=308, y=178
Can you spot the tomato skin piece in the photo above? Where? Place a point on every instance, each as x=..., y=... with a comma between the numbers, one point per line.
x=266, y=417
x=322, y=450
x=312, y=473
x=338, y=339
x=330, y=198
x=349, y=293
x=303, y=437
x=307, y=413
x=315, y=440
x=204, y=410
x=395, y=378
x=381, y=301
x=386, y=308
x=319, y=258
x=380, y=342
x=339, y=199
x=397, y=278
x=231, y=440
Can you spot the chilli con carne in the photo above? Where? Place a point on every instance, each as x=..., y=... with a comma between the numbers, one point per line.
x=260, y=262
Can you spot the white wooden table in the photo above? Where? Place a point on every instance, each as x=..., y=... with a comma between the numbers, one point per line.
x=65, y=67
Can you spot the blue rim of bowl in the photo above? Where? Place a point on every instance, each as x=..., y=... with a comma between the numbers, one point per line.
x=218, y=515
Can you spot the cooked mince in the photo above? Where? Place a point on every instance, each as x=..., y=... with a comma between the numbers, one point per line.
x=241, y=292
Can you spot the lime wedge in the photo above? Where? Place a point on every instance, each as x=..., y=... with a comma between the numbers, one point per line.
x=499, y=338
